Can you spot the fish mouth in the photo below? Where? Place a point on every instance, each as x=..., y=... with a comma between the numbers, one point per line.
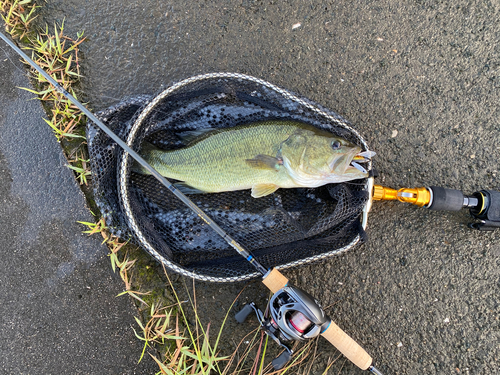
x=360, y=158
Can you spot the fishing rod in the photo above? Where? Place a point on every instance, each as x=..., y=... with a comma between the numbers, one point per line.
x=295, y=315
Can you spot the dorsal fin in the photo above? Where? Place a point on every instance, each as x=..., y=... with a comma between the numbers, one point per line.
x=191, y=136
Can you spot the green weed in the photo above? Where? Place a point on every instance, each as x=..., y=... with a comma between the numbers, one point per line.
x=82, y=172
x=57, y=54
x=18, y=16
x=99, y=227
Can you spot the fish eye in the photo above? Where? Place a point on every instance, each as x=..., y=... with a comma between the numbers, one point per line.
x=336, y=145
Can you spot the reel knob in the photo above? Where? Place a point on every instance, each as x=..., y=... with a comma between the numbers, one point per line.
x=242, y=315
x=280, y=361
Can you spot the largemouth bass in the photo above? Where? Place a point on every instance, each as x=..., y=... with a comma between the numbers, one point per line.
x=262, y=156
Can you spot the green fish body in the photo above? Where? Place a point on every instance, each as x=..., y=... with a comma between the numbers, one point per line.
x=263, y=156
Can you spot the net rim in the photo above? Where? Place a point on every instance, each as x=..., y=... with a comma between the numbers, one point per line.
x=124, y=178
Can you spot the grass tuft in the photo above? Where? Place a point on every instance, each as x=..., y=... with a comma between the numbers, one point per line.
x=18, y=16
x=58, y=55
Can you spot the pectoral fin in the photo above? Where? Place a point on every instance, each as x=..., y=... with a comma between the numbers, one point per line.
x=264, y=162
x=261, y=190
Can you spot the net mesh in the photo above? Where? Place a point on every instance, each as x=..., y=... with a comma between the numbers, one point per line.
x=285, y=229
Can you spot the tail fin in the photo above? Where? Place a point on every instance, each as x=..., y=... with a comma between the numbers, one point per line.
x=145, y=152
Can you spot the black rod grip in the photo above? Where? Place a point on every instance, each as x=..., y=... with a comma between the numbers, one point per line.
x=446, y=199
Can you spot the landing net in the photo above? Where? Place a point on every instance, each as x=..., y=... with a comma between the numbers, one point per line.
x=286, y=229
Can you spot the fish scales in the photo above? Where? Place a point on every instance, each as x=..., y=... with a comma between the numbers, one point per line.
x=263, y=156
x=219, y=160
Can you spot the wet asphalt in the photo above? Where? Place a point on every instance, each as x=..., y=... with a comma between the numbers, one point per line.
x=59, y=310
x=419, y=79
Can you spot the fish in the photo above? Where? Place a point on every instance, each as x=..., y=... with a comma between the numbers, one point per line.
x=262, y=156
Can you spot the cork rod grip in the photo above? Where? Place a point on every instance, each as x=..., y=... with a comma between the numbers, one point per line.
x=347, y=346
x=275, y=280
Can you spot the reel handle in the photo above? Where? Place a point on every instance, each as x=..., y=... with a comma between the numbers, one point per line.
x=275, y=281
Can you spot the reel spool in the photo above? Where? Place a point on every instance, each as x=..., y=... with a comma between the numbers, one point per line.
x=297, y=314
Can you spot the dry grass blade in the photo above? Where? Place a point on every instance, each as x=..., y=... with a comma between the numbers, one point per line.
x=236, y=351
x=163, y=369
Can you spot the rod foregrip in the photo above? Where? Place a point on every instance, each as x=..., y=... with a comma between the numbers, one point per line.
x=275, y=280
x=347, y=346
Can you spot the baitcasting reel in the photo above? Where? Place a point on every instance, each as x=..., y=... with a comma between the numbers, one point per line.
x=293, y=315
